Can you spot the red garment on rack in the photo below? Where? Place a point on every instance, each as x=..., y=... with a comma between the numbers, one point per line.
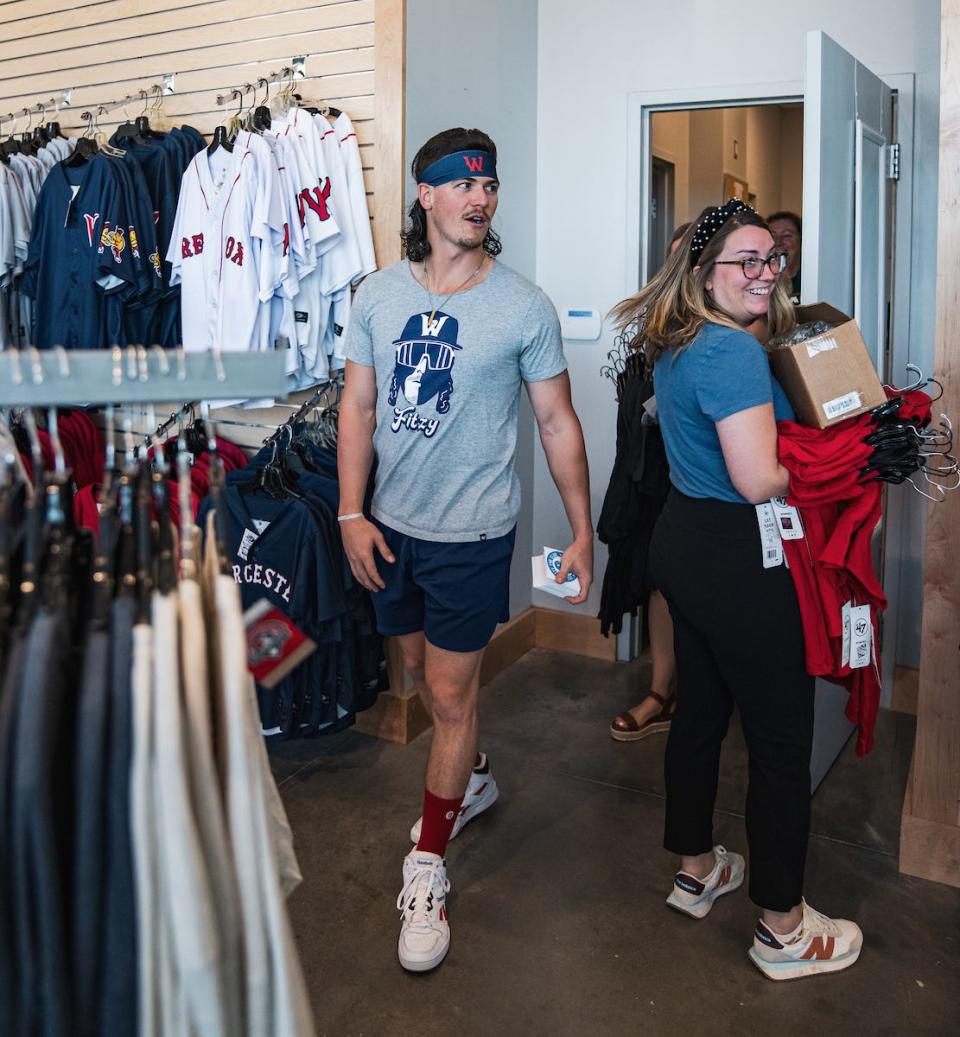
x=833, y=563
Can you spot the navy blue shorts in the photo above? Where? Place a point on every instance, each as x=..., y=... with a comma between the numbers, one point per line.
x=455, y=593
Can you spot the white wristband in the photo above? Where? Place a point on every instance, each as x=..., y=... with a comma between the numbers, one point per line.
x=352, y=515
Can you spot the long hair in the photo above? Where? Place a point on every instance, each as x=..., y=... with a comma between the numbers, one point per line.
x=413, y=237
x=672, y=307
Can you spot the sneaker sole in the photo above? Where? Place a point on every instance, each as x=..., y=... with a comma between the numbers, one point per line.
x=781, y=970
x=702, y=908
x=636, y=736
x=490, y=796
x=424, y=966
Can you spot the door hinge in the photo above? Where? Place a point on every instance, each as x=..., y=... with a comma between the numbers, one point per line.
x=893, y=161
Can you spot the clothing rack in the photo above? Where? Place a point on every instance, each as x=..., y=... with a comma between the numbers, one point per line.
x=143, y=94
x=40, y=108
x=56, y=378
x=290, y=72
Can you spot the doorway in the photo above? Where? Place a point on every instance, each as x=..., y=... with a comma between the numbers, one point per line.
x=662, y=219
x=705, y=155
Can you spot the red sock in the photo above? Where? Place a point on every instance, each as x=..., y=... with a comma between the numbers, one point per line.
x=439, y=816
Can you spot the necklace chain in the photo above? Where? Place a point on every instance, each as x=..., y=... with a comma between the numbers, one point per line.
x=459, y=288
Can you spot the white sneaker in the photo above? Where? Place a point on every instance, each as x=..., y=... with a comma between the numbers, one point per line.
x=695, y=896
x=481, y=794
x=424, y=931
x=818, y=944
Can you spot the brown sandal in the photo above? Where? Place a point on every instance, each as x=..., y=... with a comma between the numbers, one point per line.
x=626, y=729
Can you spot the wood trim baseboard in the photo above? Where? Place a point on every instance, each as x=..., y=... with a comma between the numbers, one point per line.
x=510, y=641
x=573, y=632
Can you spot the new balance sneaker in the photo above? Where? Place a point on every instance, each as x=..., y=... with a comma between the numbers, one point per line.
x=818, y=944
x=424, y=931
x=481, y=794
x=695, y=896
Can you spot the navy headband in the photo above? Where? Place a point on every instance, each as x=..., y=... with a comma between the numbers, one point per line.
x=711, y=223
x=457, y=166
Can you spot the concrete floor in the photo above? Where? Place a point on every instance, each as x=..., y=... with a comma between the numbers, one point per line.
x=557, y=914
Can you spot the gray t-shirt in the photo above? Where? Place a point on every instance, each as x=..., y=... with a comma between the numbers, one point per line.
x=447, y=397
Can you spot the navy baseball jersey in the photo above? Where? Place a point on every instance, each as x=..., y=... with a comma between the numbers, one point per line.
x=80, y=257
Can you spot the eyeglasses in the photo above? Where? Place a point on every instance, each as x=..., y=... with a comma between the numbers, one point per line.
x=752, y=266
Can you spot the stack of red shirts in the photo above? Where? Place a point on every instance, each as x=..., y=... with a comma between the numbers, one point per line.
x=82, y=444
x=833, y=563
x=86, y=512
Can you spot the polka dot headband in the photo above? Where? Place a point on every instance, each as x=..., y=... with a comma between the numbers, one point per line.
x=711, y=223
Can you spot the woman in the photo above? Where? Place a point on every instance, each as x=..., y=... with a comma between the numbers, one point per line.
x=737, y=628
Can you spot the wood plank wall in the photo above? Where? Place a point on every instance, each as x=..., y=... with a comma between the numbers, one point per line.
x=105, y=50
x=930, y=831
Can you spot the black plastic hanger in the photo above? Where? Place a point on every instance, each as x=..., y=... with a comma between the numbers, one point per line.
x=220, y=140
x=143, y=127
x=53, y=130
x=86, y=148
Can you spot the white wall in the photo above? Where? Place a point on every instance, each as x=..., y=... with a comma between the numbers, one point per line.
x=590, y=60
x=466, y=68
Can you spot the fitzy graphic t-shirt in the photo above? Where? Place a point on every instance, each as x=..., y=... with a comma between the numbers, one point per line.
x=448, y=393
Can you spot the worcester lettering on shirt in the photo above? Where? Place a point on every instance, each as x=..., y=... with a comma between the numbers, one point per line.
x=448, y=392
x=263, y=576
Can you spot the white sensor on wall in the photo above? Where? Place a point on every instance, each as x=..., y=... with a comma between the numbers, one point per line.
x=579, y=323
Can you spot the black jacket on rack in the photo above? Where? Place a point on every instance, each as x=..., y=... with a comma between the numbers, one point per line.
x=638, y=488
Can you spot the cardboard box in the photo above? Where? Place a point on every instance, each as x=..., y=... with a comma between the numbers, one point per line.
x=829, y=377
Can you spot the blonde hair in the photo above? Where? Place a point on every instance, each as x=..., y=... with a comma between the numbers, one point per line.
x=672, y=307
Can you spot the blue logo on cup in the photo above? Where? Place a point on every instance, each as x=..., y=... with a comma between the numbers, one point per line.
x=554, y=560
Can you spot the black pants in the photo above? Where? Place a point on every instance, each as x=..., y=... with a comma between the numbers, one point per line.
x=738, y=640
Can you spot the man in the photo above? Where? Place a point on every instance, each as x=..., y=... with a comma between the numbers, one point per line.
x=787, y=237
x=437, y=350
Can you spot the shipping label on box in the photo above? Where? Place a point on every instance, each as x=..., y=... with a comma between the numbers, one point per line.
x=830, y=377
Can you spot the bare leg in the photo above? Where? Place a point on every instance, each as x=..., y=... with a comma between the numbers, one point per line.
x=453, y=679
x=413, y=649
x=661, y=656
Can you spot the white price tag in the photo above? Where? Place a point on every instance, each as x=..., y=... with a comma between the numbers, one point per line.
x=845, y=645
x=788, y=519
x=861, y=637
x=770, y=542
x=249, y=539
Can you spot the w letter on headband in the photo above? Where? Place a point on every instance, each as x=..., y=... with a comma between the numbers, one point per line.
x=457, y=166
x=545, y=568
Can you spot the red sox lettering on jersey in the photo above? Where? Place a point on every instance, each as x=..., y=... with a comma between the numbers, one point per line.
x=316, y=198
x=193, y=246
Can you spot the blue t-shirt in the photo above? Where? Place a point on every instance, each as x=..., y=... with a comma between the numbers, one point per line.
x=723, y=371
